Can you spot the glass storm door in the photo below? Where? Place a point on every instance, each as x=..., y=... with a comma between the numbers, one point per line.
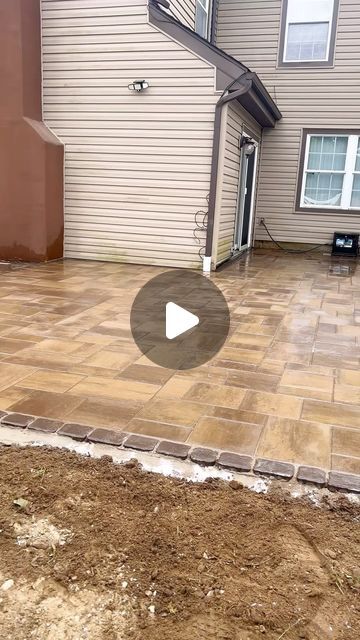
x=243, y=222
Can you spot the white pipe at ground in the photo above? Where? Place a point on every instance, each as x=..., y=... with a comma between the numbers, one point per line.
x=207, y=264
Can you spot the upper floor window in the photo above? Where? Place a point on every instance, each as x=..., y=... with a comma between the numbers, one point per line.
x=308, y=32
x=203, y=18
x=330, y=171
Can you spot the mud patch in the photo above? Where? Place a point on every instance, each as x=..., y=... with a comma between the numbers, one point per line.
x=40, y=534
x=113, y=553
x=47, y=610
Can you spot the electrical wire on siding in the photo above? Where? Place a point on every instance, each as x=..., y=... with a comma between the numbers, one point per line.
x=201, y=220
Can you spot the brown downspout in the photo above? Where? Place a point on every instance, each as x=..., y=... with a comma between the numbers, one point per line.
x=224, y=99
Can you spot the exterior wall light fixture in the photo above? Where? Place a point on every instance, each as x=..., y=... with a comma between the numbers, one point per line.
x=138, y=85
x=248, y=144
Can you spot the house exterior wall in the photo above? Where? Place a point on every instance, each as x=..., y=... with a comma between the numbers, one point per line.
x=235, y=121
x=137, y=166
x=307, y=97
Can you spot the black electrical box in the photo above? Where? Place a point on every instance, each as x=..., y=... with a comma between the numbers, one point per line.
x=345, y=244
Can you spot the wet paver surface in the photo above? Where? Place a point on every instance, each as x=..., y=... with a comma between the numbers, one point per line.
x=285, y=386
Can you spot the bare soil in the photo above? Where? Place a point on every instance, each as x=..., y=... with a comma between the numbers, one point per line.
x=97, y=551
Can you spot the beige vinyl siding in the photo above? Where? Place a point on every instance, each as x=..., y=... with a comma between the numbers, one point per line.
x=137, y=166
x=184, y=10
x=236, y=120
x=323, y=97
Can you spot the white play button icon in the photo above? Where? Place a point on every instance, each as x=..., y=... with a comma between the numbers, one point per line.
x=178, y=320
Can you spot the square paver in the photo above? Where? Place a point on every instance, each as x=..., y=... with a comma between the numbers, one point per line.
x=226, y=434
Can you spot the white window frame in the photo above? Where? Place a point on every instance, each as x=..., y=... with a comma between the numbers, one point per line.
x=206, y=5
x=355, y=173
x=348, y=172
x=301, y=19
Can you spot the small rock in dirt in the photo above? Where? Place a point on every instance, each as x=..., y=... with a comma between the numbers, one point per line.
x=152, y=608
x=235, y=485
x=154, y=574
x=198, y=555
x=167, y=592
x=131, y=464
x=106, y=459
x=315, y=592
x=330, y=554
x=8, y=584
x=21, y=503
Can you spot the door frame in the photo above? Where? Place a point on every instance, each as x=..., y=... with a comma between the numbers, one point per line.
x=239, y=214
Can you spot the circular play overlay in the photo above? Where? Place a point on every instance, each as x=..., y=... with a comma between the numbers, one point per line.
x=180, y=319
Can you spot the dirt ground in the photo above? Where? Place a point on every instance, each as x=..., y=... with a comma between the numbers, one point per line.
x=91, y=550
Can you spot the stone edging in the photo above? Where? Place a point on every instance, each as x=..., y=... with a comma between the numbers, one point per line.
x=333, y=480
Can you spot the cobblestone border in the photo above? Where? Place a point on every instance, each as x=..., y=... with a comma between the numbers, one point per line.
x=333, y=480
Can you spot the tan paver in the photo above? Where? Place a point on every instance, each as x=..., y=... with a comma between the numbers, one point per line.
x=296, y=441
x=329, y=413
x=159, y=429
x=307, y=384
x=226, y=434
x=177, y=412
x=347, y=393
x=285, y=385
x=11, y=374
x=345, y=464
x=143, y=373
x=254, y=380
x=117, y=389
x=349, y=377
x=346, y=442
x=50, y=405
x=107, y=413
x=10, y=396
x=48, y=380
x=273, y=404
x=222, y=396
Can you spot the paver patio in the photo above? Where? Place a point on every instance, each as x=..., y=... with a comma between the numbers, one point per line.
x=286, y=385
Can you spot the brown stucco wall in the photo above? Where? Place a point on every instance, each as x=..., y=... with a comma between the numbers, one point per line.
x=31, y=157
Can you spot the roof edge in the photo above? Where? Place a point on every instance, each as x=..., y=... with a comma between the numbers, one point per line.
x=229, y=66
x=257, y=101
